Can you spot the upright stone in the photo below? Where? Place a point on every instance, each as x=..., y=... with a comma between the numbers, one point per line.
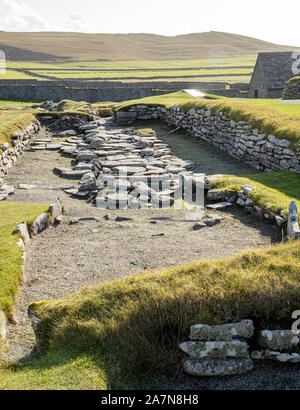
x=293, y=230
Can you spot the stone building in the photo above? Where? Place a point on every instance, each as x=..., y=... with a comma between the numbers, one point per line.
x=270, y=74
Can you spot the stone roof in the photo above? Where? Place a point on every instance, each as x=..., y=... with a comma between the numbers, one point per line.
x=277, y=68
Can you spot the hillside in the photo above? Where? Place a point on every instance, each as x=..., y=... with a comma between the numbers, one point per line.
x=80, y=46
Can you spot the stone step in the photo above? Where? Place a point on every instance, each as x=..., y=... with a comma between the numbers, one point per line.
x=217, y=367
x=202, y=332
x=216, y=349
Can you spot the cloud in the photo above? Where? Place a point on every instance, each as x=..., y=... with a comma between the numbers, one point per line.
x=17, y=16
x=77, y=23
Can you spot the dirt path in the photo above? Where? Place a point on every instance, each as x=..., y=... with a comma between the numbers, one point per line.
x=77, y=252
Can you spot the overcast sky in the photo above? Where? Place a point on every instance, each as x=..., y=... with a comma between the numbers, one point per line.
x=268, y=20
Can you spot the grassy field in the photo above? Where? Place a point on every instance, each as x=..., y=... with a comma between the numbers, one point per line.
x=126, y=332
x=12, y=214
x=238, y=69
x=107, y=75
x=15, y=75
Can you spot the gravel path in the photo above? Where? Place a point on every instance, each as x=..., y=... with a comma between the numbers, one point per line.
x=79, y=252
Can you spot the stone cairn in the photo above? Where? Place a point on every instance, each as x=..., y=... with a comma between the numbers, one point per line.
x=218, y=350
x=292, y=89
x=222, y=350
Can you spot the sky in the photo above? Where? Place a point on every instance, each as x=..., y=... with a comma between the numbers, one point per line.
x=268, y=20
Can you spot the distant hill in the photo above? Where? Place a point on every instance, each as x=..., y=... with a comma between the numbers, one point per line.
x=80, y=46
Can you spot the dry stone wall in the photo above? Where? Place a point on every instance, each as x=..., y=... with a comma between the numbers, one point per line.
x=96, y=91
x=11, y=152
x=239, y=139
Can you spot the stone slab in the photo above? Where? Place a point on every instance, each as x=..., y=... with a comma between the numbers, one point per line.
x=202, y=332
x=217, y=367
x=216, y=349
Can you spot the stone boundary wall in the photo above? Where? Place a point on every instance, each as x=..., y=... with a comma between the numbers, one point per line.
x=19, y=141
x=239, y=139
x=107, y=90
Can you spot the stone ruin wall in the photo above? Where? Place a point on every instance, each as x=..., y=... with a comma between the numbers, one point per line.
x=32, y=90
x=239, y=139
x=19, y=141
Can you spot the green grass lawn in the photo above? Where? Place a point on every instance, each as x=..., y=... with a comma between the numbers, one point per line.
x=142, y=74
x=11, y=215
x=126, y=332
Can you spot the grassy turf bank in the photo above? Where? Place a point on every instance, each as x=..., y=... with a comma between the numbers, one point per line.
x=12, y=120
x=268, y=115
x=273, y=190
x=127, y=331
x=12, y=214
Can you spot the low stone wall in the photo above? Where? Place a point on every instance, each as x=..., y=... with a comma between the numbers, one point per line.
x=287, y=222
x=27, y=233
x=239, y=139
x=96, y=91
x=292, y=89
x=19, y=141
x=223, y=350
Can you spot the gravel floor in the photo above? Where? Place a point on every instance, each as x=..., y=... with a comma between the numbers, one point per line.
x=63, y=259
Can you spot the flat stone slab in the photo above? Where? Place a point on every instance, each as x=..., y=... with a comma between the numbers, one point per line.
x=277, y=356
x=219, y=205
x=76, y=193
x=202, y=332
x=281, y=340
x=26, y=186
x=130, y=170
x=86, y=156
x=78, y=174
x=215, y=350
x=217, y=367
x=52, y=147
